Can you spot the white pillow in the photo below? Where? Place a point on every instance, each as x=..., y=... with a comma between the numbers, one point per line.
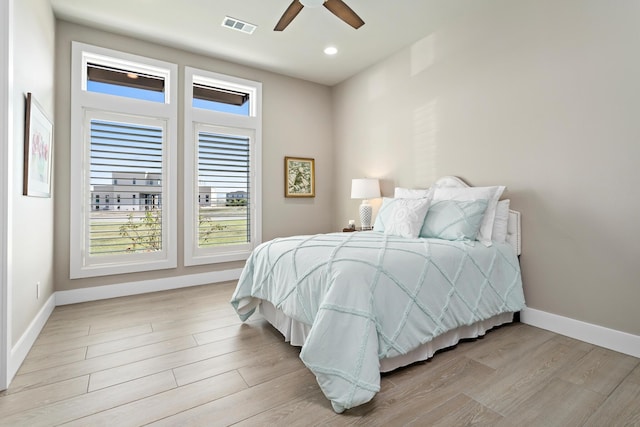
x=491, y=194
x=407, y=217
x=411, y=193
x=499, y=232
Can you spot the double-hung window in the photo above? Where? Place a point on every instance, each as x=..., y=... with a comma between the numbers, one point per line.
x=222, y=167
x=123, y=163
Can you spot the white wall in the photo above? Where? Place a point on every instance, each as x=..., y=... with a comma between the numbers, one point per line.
x=541, y=96
x=31, y=242
x=6, y=8
x=27, y=33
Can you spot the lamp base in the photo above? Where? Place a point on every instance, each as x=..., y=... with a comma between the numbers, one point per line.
x=365, y=211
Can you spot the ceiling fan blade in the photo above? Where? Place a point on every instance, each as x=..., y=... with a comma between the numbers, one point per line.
x=292, y=11
x=344, y=12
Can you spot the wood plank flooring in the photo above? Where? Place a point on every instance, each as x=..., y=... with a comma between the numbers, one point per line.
x=182, y=357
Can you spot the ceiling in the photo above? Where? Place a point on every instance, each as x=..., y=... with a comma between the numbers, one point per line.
x=196, y=25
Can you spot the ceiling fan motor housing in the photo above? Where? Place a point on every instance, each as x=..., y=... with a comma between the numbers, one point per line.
x=312, y=3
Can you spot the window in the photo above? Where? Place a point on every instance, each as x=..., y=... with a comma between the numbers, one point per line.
x=222, y=167
x=124, y=82
x=209, y=96
x=124, y=121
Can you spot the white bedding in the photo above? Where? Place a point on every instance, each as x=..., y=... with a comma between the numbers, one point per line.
x=367, y=297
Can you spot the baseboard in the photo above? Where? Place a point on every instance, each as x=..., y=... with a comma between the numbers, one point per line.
x=21, y=349
x=23, y=346
x=144, y=286
x=604, y=337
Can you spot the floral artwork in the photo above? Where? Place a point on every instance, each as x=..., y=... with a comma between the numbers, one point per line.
x=299, y=176
x=38, y=146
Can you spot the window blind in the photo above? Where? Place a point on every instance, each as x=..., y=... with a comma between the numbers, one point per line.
x=223, y=189
x=126, y=162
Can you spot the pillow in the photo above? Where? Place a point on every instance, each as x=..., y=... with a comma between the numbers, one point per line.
x=454, y=219
x=383, y=218
x=499, y=232
x=491, y=194
x=407, y=217
x=411, y=193
x=383, y=214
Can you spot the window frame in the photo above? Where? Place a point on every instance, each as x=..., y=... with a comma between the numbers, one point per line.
x=229, y=123
x=84, y=104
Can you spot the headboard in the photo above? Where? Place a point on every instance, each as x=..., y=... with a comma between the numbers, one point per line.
x=513, y=225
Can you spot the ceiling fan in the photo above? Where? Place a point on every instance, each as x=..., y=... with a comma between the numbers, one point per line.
x=337, y=7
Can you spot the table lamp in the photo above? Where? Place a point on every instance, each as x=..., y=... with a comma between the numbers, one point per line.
x=365, y=188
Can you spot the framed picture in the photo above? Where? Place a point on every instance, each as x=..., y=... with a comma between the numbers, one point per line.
x=38, y=150
x=299, y=177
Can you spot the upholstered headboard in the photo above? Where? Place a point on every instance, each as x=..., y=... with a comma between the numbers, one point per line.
x=513, y=225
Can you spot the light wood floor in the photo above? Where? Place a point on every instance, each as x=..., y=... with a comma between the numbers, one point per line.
x=182, y=357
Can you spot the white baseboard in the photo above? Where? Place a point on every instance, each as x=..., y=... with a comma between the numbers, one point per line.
x=145, y=286
x=604, y=337
x=21, y=349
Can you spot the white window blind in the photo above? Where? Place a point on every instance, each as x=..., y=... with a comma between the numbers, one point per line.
x=224, y=175
x=126, y=171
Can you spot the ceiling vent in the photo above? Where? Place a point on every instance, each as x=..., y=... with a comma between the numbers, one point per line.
x=236, y=24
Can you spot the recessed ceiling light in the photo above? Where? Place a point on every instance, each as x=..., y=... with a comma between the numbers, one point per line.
x=331, y=50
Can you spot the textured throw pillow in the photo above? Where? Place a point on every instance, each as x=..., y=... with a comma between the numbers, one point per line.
x=411, y=193
x=499, y=233
x=407, y=217
x=383, y=214
x=491, y=194
x=454, y=219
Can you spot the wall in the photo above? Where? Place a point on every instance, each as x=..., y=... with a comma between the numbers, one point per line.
x=541, y=96
x=6, y=12
x=31, y=239
x=292, y=125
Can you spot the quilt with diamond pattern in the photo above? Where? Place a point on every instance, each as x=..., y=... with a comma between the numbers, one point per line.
x=368, y=296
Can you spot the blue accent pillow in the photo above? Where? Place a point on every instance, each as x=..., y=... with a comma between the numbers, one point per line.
x=454, y=219
x=384, y=214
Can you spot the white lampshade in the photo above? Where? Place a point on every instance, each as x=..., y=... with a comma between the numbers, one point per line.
x=365, y=188
x=312, y=3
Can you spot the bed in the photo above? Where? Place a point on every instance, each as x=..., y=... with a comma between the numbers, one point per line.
x=368, y=302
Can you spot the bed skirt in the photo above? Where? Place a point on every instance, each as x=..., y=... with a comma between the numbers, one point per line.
x=296, y=333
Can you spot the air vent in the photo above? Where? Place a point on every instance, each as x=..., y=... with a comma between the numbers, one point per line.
x=236, y=24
